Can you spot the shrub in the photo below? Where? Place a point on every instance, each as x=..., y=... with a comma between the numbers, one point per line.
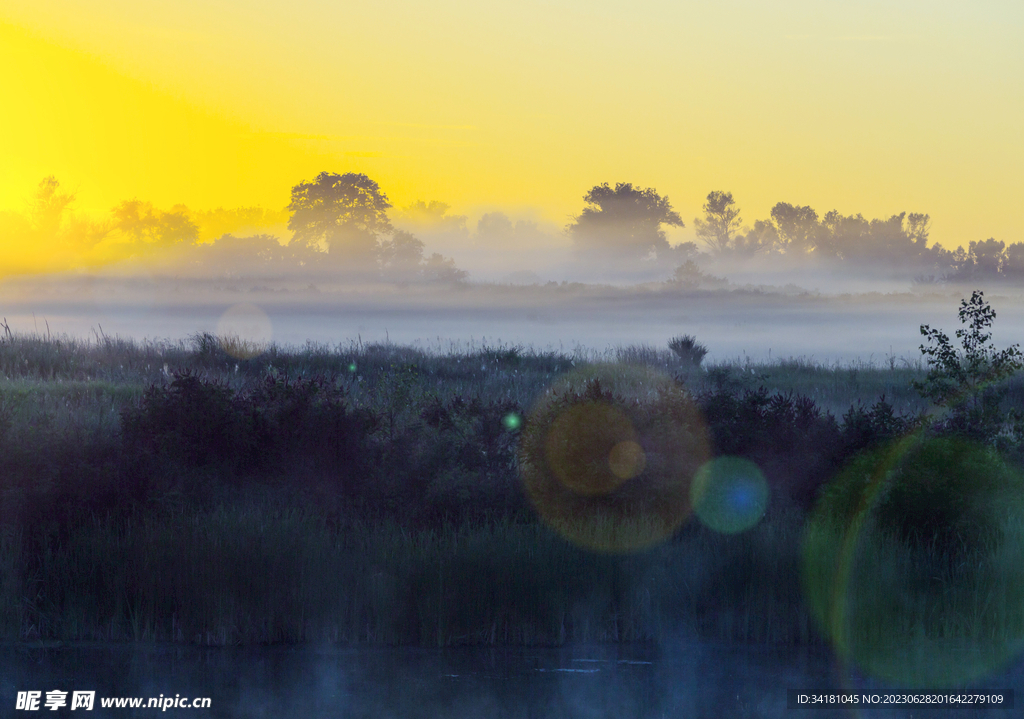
x=608, y=456
x=795, y=445
x=966, y=381
x=868, y=428
x=688, y=349
x=941, y=493
x=279, y=427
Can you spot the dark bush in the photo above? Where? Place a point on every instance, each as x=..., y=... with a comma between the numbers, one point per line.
x=944, y=493
x=688, y=349
x=279, y=428
x=191, y=421
x=796, y=446
x=865, y=428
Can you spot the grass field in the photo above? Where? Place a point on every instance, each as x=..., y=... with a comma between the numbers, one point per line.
x=215, y=493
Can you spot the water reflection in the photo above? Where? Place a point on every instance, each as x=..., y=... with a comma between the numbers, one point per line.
x=680, y=680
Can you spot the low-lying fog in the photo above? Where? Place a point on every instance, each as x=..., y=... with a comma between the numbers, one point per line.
x=733, y=321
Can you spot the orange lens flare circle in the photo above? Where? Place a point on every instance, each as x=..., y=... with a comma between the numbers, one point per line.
x=609, y=454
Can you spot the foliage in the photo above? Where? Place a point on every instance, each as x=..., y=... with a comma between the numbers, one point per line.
x=942, y=492
x=867, y=428
x=688, y=349
x=721, y=222
x=624, y=222
x=966, y=381
x=344, y=213
x=797, y=227
x=142, y=224
x=278, y=425
x=795, y=445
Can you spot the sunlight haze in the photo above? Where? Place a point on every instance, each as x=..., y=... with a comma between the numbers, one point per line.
x=878, y=108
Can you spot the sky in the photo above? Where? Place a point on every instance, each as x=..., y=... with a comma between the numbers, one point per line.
x=870, y=107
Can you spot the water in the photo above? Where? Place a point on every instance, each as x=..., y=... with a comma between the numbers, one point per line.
x=686, y=679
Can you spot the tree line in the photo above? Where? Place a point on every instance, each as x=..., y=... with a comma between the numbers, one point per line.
x=626, y=223
x=340, y=223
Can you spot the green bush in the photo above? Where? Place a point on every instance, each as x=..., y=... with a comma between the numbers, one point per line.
x=944, y=493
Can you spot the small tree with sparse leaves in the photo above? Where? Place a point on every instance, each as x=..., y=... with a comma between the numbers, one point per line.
x=965, y=381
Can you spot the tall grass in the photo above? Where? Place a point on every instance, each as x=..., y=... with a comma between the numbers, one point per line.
x=258, y=574
x=112, y=528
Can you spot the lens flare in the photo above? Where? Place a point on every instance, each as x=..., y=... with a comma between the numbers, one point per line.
x=627, y=459
x=729, y=495
x=914, y=562
x=244, y=331
x=511, y=421
x=608, y=456
x=581, y=445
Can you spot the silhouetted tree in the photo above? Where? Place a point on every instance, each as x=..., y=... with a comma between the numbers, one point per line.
x=624, y=222
x=762, y=238
x=797, y=227
x=495, y=226
x=401, y=256
x=237, y=221
x=53, y=224
x=1013, y=264
x=345, y=213
x=141, y=223
x=432, y=217
x=438, y=268
x=917, y=229
x=721, y=222
x=987, y=257
x=49, y=205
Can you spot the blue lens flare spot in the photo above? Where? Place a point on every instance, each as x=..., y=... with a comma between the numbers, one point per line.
x=729, y=494
x=512, y=421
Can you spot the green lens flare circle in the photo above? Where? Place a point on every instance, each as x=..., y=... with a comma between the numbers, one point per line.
x=729, y=495
x=913, y=562
x=511, y=421
x=609, y=454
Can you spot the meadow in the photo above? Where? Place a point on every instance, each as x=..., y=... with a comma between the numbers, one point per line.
x=217, y=492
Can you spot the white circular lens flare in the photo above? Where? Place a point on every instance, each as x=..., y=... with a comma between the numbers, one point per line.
x=244, y=331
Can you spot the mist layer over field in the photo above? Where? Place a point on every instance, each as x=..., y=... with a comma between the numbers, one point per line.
x=734, y=323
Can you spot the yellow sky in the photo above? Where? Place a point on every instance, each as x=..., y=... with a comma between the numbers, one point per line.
x=866, y=107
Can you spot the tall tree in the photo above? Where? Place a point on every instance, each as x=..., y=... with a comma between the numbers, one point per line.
x=143, y=224
x=624, y=222
x=721, y=222
x=798, y=227
x=342, y=213
x=49, y=206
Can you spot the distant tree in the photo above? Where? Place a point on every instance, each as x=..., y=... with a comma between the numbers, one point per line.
x=344, y=213
x=762, y=238
x=401, y=256
x=1013, y=265
x=432, y=217
x=987, y=257
x=49, y=206
x=624, y=222
x=917, y=229
x=438, y=268
x=798, y=228
x=237, y=221
x=140, y=223
x=495, y=226
x=53, y=223
x=721, y=222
